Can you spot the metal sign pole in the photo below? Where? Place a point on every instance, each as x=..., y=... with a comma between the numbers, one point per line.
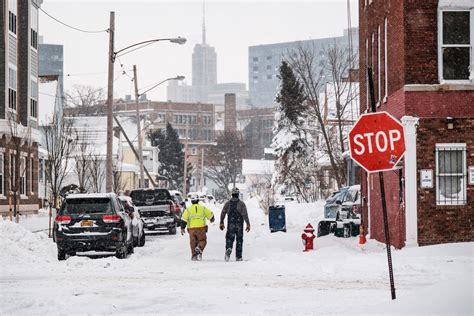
x=382, y=193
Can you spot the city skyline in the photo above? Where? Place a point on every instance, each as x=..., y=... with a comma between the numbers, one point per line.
x=85, y=53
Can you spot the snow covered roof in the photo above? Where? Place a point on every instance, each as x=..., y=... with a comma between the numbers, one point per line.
x=254, y=166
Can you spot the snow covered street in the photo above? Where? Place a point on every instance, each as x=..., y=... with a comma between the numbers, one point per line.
x=276, y=277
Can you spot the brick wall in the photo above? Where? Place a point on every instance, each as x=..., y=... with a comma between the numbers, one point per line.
x=440, y=103
x=370, y=18
x=442, y=224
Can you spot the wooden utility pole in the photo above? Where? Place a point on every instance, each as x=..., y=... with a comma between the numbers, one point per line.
x=139, y=131
x=202, y=170
x=110, y=104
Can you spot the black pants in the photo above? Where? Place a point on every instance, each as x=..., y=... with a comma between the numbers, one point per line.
x=234, y=231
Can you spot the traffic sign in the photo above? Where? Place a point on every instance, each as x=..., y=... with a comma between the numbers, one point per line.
x=377, y=141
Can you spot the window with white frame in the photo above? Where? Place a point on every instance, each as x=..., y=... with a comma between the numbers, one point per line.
x=30, y=176
x=385, y=60
x=34, y=99
x=12, y=171
x=2, y=192
x=22, y=176
x=456, y=45
x=11, y=88
x=12, y=18
x=451, y=174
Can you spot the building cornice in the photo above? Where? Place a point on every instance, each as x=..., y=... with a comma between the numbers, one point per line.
x=438, y=87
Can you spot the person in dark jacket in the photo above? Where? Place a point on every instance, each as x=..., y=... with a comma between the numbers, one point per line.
x=236, y=212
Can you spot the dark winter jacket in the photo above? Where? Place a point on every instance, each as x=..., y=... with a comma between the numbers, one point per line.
x=241, y=210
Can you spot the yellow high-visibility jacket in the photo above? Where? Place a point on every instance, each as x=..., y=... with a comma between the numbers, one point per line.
x=195, y=216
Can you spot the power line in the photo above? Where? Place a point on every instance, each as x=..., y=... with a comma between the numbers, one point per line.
x=72, y=27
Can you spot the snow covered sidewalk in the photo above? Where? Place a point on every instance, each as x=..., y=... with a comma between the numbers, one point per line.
x=275, y=278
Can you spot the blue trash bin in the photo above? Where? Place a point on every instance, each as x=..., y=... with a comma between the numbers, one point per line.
x=277, y=219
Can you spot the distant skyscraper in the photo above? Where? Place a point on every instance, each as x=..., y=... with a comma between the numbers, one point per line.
x=204, y=65
x=264, y=61
x=204, y=87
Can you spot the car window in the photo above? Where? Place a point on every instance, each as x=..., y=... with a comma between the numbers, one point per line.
x=352, y=195
x=87, y=205
x=142, y=195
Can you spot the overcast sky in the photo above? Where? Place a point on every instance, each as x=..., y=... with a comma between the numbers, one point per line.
x=232, y=26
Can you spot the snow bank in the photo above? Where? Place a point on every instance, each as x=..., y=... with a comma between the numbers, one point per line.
x=20, y=246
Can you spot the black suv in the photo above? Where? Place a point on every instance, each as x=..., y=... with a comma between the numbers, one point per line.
x=92, y=222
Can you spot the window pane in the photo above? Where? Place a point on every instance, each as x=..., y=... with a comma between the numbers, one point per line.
x=456, y=63
x=456, y=27
x=450, y=188
x=450, y=161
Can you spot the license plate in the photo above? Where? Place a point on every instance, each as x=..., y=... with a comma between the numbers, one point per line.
x=86, y=223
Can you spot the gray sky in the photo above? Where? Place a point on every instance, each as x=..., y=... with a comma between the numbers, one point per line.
x=231, y=27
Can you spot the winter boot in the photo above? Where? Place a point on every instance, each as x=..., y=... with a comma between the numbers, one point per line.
x=227, y=254
x=198, y=252
x=238, y=259
x=193, y=258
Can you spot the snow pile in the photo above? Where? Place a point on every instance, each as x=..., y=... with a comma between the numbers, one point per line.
x=21, y=246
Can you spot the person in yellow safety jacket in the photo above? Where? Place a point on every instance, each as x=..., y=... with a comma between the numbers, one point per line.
x=195, y=218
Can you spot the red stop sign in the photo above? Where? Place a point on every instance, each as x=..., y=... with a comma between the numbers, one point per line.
x=377, y=141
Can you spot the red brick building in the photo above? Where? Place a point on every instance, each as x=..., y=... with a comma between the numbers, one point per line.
x=422, y=56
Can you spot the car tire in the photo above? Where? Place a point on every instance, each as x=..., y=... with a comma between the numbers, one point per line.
x=141, y=242
x=61, y=254
x=130, y=248
x=173, y=231
x=135, y=241
x=121, y=252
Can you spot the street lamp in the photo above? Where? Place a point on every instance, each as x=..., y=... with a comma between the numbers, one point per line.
x=139, y=133
x=110, y=89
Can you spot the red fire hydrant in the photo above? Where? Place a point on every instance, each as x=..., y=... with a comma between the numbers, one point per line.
x=308, y=236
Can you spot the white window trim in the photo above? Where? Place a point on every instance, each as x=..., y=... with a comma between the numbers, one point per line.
x=379, y=67
x=386, y=59
x=441, y=9
x=447, y=201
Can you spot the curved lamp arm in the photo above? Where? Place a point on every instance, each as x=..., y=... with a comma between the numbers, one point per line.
x=177, y=40
x=163, y=81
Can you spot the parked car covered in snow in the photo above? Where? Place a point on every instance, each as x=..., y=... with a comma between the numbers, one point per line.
x=343, y=204
x=156, y=208
x=138, y=233
x=92, y=222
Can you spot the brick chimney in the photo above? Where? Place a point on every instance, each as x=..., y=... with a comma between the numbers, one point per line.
x=230, y=114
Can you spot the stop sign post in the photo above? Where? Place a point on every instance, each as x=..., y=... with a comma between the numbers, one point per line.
x=377, y=142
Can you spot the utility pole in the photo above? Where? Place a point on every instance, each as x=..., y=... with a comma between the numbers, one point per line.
x=110, y=103
x=141, y=183
x=185, y=173
x=202, y=169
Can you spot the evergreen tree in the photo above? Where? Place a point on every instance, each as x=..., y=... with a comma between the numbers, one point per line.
x=291, y=144
x=290, y=98
x=171, y=155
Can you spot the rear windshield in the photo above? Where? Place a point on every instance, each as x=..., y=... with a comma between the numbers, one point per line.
x=91, y=205
x=149, y=197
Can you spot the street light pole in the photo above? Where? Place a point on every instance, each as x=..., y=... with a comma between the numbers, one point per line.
x=110, y=103
x=110, y=91
x=139, y=131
